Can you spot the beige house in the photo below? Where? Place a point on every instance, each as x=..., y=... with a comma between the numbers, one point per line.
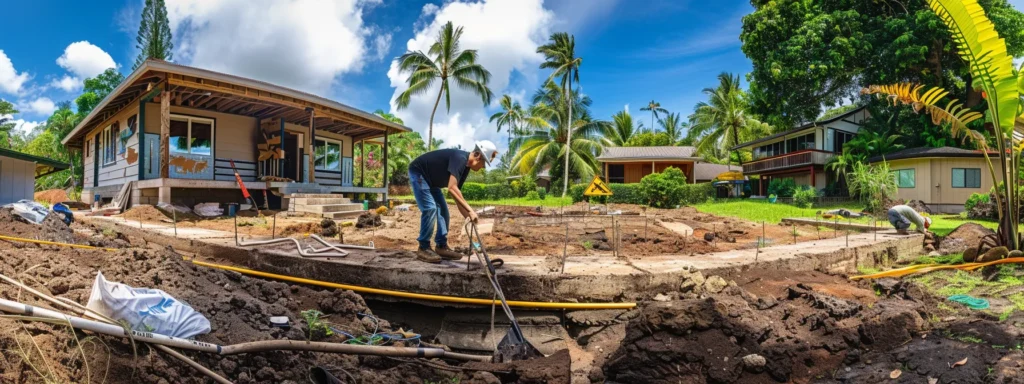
x=630, y=164
x=943, y=178
x=178, y=133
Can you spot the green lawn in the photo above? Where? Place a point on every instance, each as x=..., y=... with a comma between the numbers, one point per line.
x=761, y=210
x=550, y=201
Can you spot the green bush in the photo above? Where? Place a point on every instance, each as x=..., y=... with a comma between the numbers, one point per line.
x=975, y=199
x=804, y=197
x=532, y=195
x=497, y=191
x=474, y=191
x=782, y=187
x=626, y=194
x=576, y=192
x=523, y=186
x=693, y=194
x=542, y=193
x=665, y=189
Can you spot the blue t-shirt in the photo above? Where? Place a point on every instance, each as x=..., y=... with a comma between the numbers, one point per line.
x=437, y=166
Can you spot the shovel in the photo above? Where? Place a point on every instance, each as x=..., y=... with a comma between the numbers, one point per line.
x=514, y=345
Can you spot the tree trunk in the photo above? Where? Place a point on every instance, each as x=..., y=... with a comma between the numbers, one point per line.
x=568, y=137
x=430, y=131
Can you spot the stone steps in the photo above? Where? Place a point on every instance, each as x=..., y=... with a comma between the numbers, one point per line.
x=324, y=204
x=343, y=214
x=327, y=208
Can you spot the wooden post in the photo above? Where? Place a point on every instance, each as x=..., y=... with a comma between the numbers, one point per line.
x=281, y=162
x=385, y=161
x=606, y=176
x=362, y=163
x=311, y=148
x=165, y=133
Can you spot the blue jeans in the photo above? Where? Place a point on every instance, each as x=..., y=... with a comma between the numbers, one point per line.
x=433, y=208
x=897, y=220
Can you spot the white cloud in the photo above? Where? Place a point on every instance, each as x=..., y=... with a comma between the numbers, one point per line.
x=67, y=83
x=41, y=105
x=303, y=44
x=10, y=80
x=381, y=45
x=25, y=127
x=506, y=34
x=84, y=60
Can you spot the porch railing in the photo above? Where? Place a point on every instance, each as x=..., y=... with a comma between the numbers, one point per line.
x=336, y=178
x=789, y=160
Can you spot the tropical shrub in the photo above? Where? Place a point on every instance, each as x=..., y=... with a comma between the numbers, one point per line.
x=782, y=187
x=804, y=197
x=873, y=184
x=474, y=191
x=665, y=189
x=576, y=192
x=542, y=193
x=626, y=194
x=498, y=191
x=532, y=195
x=523, y=186
x=975, y=199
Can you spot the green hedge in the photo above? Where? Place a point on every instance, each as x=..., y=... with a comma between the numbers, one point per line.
x=474, y=191
x=665, y=191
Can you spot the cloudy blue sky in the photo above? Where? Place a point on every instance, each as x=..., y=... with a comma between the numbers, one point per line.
x=633, y=51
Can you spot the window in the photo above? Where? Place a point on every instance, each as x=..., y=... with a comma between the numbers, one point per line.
x=616, y=173
x=192, y=135
x=108, y=144
x=905, y=178
x=966, y=177
x=841, y=137
x=328, y=155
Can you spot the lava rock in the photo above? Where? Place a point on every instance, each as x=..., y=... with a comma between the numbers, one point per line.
x=1015, y=253
x=970, y=255
x=662, y=297
x=328, y=228
x=368, y=220
x=709, y=236
x=715, y=284
x=754, y=363
x=994, y=254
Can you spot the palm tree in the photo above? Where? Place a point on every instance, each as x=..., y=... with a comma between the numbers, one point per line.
x=445, y=61
x=545, y=147
x=560, y=57
x=620, y=130
x=673, y=126
x=6, y=125
x=515, y=119
x=388, y=116
x=723, y=121
x=654, y=107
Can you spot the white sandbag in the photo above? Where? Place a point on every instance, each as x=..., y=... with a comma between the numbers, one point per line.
x=29, y=210
x=146, y=310
x=208, y=209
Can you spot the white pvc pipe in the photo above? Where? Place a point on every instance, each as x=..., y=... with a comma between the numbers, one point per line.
x=298, y=247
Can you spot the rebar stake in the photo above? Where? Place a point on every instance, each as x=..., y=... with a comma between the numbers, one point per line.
x=273, y=228
x=174, y=214
x=565, y=246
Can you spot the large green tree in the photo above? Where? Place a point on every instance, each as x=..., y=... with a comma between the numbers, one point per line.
x=673, y=126
x=723, y=121
x=154, y=39
x=445, y=60
x=812, y=54
x=560, y=57
x=621, y=130
x=654, y=107
x=6, y=125
x=97, y=88
x=516, y=120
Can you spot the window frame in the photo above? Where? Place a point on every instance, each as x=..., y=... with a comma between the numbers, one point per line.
x=952, y=181
x=617, y=179
x=188, y=120
x=327, y=143
x=108, y=143
x=913, y=177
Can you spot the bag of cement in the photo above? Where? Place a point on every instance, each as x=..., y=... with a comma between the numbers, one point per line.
x=208, y=209
x=146, y=310
x=168, y=208
x=29, y=210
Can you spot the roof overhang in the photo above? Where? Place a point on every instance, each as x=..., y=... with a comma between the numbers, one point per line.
x=221, y=92
x=802, y=128
x=44, y=166
x=645, y=159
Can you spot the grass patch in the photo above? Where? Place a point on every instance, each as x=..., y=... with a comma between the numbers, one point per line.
x=955, y=258
x=942, y=225
x=762, y=210
x=867, y=270
x=550, y=201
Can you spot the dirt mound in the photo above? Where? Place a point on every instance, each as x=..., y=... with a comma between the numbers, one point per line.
x=302, y=229
x=967, y=235
x=51, y=196
x=368, y=220
x=145, y=213
x=51, y=229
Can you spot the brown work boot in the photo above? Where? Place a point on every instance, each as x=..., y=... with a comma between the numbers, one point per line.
x=427, y=255
x=902, y=232
x=447, y=253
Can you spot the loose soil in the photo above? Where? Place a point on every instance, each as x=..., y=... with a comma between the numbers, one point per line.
x=237, y=306
x=51, y=196
x=249, y=222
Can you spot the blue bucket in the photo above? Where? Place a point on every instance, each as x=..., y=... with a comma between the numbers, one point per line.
x=232, y=209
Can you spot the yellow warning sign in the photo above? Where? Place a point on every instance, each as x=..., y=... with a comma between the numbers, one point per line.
x=598, y=188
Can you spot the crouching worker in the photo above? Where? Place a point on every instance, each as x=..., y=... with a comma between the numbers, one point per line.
x=444, y=168
x=901, y=216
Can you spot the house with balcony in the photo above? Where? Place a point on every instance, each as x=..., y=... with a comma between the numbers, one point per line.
x=802, y=152
x=630, y=164
x=174, y=133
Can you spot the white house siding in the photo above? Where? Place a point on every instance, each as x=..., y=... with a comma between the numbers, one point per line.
x=17, y=179
x=125, y=168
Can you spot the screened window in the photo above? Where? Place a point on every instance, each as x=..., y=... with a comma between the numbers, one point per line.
x=328, y=155
x=191, y=135
x=616, y=173
x=841, y=137
x=905, y=178
x=966, y=177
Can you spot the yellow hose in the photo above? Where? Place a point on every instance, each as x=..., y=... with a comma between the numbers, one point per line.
x=936, y=267
x=419, y=296
x=8, y=238
x=376, y=291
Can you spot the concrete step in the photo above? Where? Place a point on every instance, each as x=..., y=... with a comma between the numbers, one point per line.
x=343, y=214
x=315, y=195
x=321, y=200
x=326, y=208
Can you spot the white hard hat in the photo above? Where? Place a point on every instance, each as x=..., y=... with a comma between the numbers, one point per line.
x=487, y=149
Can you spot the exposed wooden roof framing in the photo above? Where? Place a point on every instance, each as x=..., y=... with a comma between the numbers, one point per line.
x=214, y=91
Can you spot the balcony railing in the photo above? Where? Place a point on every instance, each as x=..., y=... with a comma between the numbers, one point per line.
x=789, y=160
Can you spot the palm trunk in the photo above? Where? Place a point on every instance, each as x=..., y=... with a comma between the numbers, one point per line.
x=568, y=137
x=430, y=131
